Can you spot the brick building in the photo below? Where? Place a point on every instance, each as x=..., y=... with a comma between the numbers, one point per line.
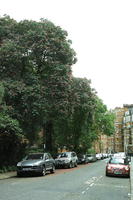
x=119, y=135
x=114, y=143
x=128, y=128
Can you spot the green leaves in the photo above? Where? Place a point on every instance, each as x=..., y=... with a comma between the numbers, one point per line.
x=1, y=92
x=11, y=140
x=103, y=119
x=9, y=125
x=39, y=89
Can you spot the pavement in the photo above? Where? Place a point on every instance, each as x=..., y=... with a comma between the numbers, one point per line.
x=7, y=175
x=131, y=178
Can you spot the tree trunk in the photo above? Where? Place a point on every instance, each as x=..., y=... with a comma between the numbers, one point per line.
x=48, y=130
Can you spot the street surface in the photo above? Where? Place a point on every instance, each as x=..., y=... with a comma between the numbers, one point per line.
x=86, y=182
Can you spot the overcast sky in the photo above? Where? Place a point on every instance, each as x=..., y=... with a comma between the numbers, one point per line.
x=102, y=36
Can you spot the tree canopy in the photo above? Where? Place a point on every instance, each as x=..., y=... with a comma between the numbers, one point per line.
x=39, y=91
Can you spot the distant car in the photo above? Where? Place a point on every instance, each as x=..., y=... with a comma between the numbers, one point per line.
x=66, y=159
x=82, y=159
x=99, y=156
x=120, y=155
x=118, y=167
x=36, y=163
x=91, y=157
x=105, y=155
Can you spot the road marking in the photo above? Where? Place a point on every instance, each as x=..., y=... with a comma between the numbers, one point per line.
x=91, y=184
x=105, y=185
x=120, y=186
x=129, y=194
x=93, y=179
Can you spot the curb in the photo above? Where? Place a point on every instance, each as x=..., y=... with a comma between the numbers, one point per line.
x=131, y=179
x=7, y=175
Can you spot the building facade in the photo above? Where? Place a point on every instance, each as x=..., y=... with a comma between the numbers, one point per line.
x=119, y=134
x=121, y=137
x=128, y=129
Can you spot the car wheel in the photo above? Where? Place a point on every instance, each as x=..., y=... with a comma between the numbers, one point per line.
x=43, y=173
x=19, y=174
x=128, y=176
x=76, y=164
x=53, y=169
x=70, y=165
x=107, y=173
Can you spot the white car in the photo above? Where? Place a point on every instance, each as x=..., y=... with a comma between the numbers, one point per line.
x=120, y=155
x=99, y=156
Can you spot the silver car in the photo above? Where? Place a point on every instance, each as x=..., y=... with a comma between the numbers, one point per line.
x=66, y=159
x=36, y=163
x=91, y=157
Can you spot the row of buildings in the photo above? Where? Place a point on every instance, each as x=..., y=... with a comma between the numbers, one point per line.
x=122, y=139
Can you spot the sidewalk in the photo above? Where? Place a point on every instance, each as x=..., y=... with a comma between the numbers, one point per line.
x=7, y=175
x=131, y=178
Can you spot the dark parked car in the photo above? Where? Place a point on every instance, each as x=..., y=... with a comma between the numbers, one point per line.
x=66, y=159
x=118, y=167
x=36, y=163
x=82, y=159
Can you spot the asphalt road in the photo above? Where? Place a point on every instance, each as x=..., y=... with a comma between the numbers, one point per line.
x=86, y=182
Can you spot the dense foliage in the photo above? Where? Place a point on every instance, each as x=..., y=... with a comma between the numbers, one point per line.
x=40, y=93
x=11, y=139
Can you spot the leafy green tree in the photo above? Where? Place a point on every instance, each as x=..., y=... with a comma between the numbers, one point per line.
x=11, y=140
x=103, y=119
x=82, y=112
x=1, y=92
x=25, y=103
x=30, y=47
x=39, y=90
x=41, y=51
x=74, y=132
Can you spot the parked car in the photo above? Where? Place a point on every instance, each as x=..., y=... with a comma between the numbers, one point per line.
x=56, y=156
x=91, y=157
x=67, y=159
x=36, y=163
x=118, y=167
x=99, y=156
x=82, y=159
x=104, y=155
x=120, y=155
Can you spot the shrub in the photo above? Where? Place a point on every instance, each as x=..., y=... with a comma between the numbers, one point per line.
x=11, y=141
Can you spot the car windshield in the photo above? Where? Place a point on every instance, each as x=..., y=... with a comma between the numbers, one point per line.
x=34, y=156
x=56, y=156
x=89, y=155
x=81, y=156
x=118, y=161
x=64, y=155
